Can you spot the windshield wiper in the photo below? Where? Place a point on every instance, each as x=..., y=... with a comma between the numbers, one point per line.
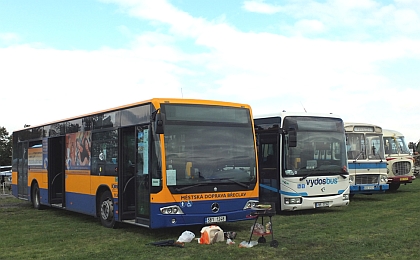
x=239, y=183
x=208, y=181
x=191, y=186
x=231, y=180
x=306, y=176
x=357, y=158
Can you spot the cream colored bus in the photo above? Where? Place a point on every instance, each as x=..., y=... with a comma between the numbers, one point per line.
x=399, y=159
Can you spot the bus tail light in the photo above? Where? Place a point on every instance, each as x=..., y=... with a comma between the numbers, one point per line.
x=174, y=210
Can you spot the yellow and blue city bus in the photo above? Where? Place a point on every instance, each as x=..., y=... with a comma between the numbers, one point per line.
x=158, y=163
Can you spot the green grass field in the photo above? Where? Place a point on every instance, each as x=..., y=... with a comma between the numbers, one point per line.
x=382, y=226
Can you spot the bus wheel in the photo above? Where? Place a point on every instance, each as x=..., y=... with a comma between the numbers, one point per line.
x=36, y=198
x=394, y=186
x=107, y=210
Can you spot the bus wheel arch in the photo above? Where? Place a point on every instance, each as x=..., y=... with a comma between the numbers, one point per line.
x=35, y=195
x=105, y=208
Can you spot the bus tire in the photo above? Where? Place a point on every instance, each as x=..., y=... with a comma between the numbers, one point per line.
x=36, y=197
x=106, y=210
x=394, y=186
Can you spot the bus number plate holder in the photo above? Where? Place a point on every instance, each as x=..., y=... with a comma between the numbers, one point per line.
x=321, y=204
x=368, y=187
x=215, y=219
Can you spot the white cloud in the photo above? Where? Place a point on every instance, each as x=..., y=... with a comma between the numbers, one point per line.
x=267, y=70
x=310, y=26
x=261, y=7
x=9, y=38
x=67, y=83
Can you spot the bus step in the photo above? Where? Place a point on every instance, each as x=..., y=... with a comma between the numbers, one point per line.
x=128, y=215
x=57, y=205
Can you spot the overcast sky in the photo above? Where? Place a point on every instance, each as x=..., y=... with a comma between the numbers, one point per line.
x=359, y=59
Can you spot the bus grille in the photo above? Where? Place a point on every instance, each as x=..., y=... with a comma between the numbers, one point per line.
x=401, y=168
x=367, y=179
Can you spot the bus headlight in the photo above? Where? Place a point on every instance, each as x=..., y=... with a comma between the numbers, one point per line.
x=175, y=210
x=292, y=200
x=351, y=179
x=251, y=204
x=346, y=196
x=384, y=178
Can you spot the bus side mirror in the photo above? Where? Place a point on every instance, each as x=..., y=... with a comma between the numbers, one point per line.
x=292, y=137
x=159, y=124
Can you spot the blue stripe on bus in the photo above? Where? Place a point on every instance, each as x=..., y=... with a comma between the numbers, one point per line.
x=283, y=192
x=43, y=193
x=196, y=212
x=304, y=194
x=359, y=165
x=295, y=194
x=83, y=203
x=268, y=188
x=14, y=190
x=360, y=188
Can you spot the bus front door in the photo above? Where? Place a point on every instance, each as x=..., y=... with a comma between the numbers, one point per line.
x=269, y=168
x=134, y=181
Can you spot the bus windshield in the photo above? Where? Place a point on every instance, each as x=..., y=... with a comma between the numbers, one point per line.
x=201, y=150
x=319, y=150
x=362, y=147
x=396, y=145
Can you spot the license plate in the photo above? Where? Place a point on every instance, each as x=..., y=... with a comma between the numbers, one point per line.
x=369, y=187
x=403, y=179
x=321, y=204
x=216, y=219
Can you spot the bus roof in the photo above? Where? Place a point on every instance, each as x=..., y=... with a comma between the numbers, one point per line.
x=389, y=132
x=154, y=101
x=351, y=126
x=358, y=123
x=286, y=114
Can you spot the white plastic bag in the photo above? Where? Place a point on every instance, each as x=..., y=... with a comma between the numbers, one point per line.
x=258, y=229
x=248, y=244
x=186, y=237
x=230, y=241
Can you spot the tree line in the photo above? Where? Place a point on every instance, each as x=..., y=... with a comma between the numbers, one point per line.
x=5, y=147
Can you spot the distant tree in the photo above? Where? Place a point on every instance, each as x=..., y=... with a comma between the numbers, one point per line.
x=5, y=147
